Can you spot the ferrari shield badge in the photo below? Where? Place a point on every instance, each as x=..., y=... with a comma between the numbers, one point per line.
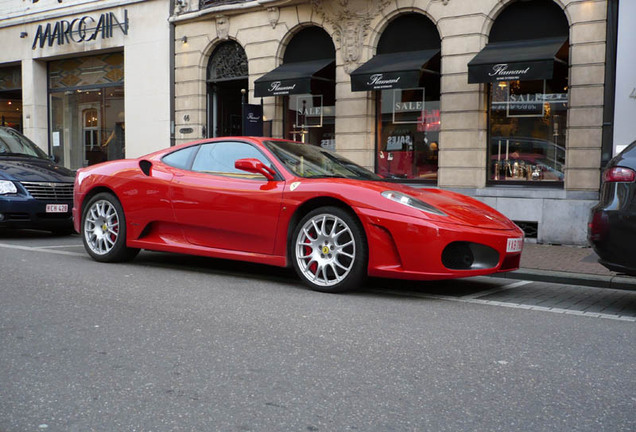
x=294, y=185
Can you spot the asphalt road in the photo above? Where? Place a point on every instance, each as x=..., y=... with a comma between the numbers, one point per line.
x=177, y=343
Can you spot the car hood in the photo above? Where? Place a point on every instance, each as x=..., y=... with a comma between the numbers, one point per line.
x=460, y=209
x=34, y=170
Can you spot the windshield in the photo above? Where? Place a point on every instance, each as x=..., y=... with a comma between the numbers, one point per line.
x=12, y=143
x=308, y=161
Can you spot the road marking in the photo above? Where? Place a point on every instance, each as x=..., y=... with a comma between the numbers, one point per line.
x=470, y=299
x=496, y=290
x=59, y=246
x=40, y=249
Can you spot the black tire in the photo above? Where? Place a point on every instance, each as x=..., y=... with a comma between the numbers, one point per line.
x=329, y=250
x=103, y=229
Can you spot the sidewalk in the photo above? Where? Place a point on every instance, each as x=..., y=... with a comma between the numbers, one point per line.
x=569, y=265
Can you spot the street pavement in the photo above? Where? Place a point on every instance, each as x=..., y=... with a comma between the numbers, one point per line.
x=171, y=342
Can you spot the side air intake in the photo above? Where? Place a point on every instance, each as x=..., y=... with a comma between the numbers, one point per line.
x=469, y=256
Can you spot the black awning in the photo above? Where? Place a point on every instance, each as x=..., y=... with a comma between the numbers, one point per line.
x=531, y=59
x=394, y=70
x=292, y=78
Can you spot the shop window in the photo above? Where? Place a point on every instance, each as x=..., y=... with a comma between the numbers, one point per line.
x=525, y=68
x=87, y=117
x=408, y=133
x=306, y=81
x=312, y=119
x=528, y=120
x=405, y=76
x=11, y=97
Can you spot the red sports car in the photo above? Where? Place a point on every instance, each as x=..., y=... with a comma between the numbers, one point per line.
x=285, y=203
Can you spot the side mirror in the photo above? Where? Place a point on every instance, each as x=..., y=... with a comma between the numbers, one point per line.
x=54, y=158
x=255, y=166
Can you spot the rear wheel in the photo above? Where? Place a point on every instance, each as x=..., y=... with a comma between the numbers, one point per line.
x=104, y=229
x=329, y=250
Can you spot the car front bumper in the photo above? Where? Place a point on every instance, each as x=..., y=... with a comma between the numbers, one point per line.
x=26, y=212
x=404, y=247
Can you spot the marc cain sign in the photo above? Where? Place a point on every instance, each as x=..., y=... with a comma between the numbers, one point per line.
x=78, y=30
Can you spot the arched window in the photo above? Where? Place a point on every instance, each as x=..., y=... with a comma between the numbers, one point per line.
x=405, y=74
x=306, y=80
x=525, y=64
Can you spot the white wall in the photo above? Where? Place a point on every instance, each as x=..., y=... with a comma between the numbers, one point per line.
x=625, y=106
x=147, y=80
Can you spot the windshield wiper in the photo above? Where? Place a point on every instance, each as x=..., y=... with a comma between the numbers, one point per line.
x=326, y=176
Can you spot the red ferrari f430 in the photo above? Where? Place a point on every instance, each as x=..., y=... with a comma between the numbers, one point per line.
x=285, y=203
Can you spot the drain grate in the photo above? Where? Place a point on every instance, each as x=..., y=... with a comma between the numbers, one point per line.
x=530, y=229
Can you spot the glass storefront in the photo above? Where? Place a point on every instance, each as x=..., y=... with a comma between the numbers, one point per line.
x=408, y=133
x=528, y=121
x=405, y=77
x=87, y=121
x=11, y=97
x=312, y=119
x=306, y=82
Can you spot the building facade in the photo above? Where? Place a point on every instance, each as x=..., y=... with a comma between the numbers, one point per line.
x=87, y=80
x=502, y=100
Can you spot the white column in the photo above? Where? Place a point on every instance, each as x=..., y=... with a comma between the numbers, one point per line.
x=34, y=102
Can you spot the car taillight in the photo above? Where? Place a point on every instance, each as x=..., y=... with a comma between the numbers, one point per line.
x=619, y=174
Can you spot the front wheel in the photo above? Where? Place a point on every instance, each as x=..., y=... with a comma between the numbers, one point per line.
x=329, y=250
x=104, y=229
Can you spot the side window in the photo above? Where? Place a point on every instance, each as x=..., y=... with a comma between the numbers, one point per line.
x=218, y=158
x=180, y=158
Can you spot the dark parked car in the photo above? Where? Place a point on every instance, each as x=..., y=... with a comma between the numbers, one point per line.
x=35, y=192
x=612, y=227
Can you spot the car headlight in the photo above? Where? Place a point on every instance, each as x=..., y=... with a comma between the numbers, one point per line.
x=401, y=198
x=7, y=187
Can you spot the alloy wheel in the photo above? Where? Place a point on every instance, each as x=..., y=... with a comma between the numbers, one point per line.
x=101, y=227
x=325, y=250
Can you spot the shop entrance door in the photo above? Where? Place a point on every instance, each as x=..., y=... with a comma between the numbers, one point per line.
x=225, y=108
x=227, y=89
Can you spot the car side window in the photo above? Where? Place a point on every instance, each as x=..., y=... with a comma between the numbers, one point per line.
x=180, y=158
x=219, y=158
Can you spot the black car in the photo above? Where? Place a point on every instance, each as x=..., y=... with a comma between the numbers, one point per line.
x=612, y=226
x=35, y=192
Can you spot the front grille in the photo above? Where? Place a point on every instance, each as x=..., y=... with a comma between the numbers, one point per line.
x=50, y=191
